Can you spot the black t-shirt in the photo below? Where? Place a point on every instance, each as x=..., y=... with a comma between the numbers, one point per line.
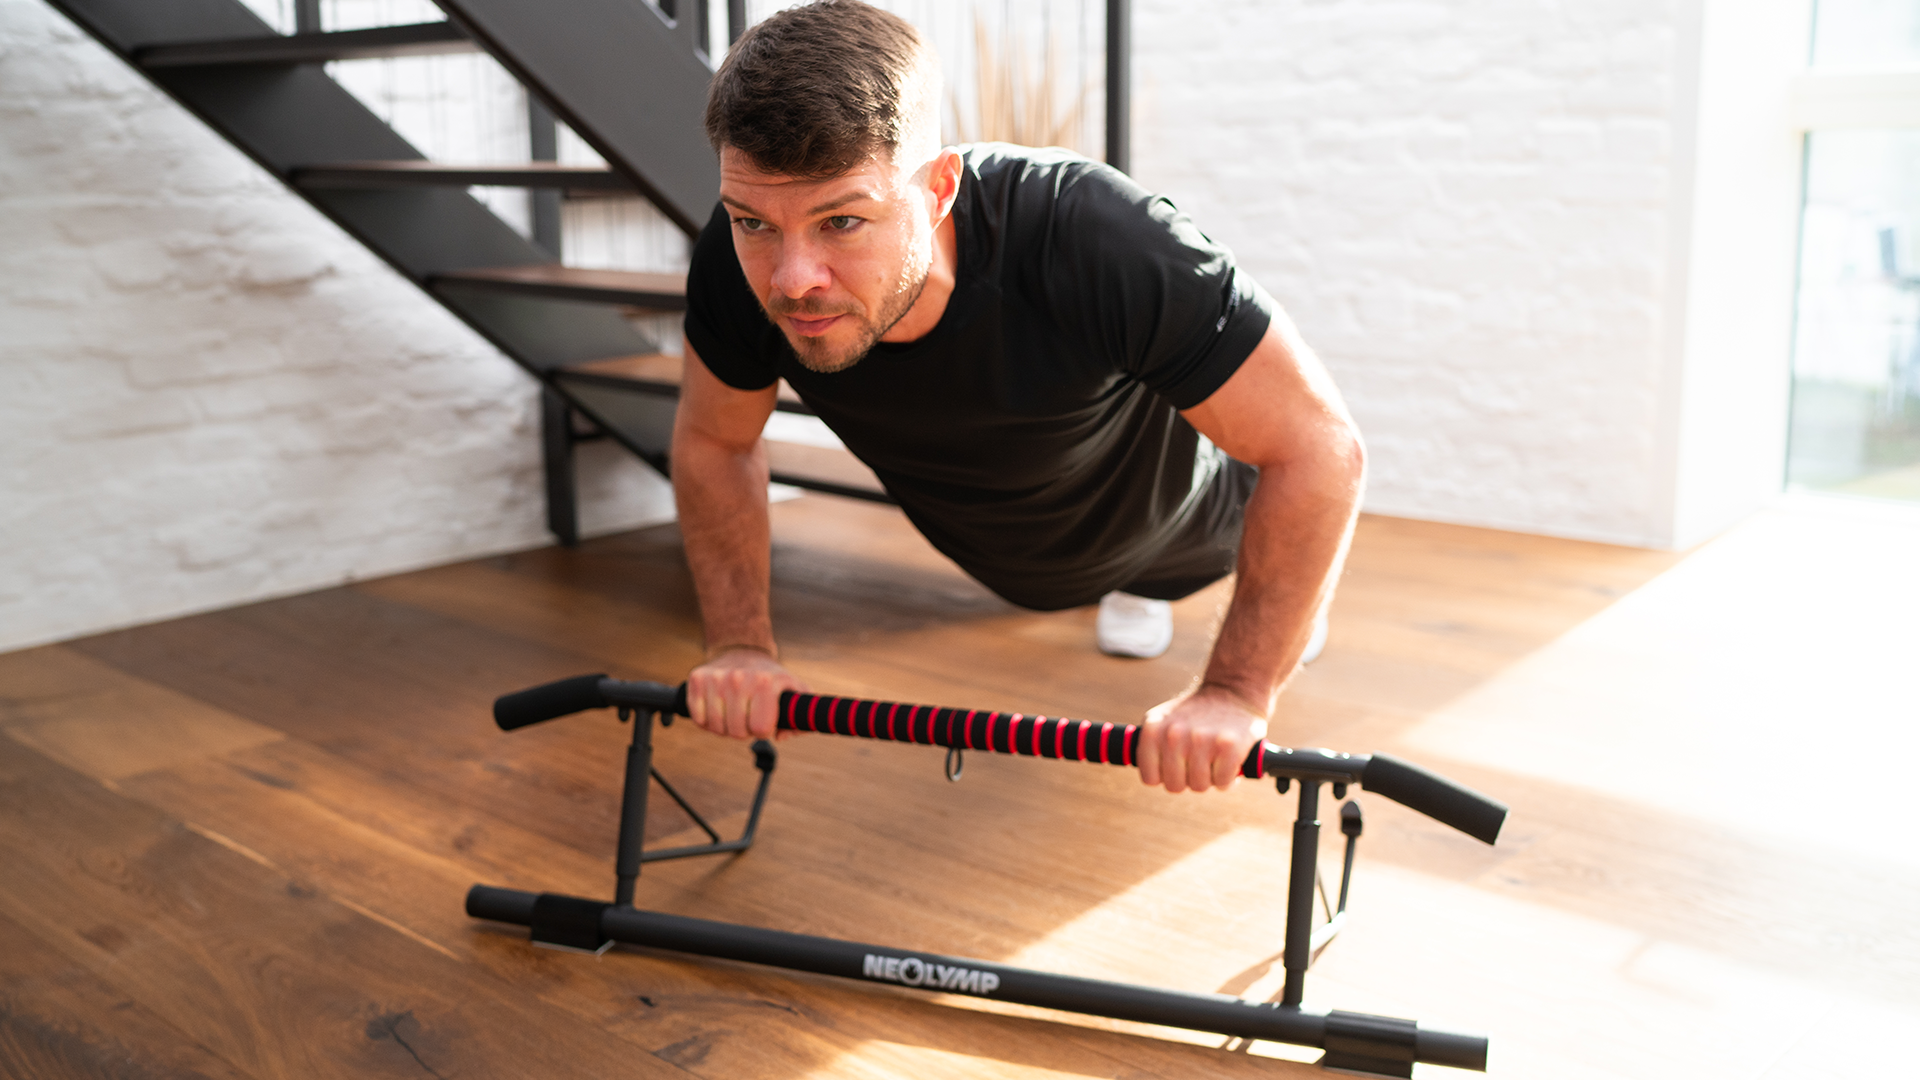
x=1032, y=434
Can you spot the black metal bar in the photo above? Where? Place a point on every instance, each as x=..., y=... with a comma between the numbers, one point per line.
x=976, y=978
x=828, y=487
x=556, y=459
x=1300, y=882
x=543, y=207
x=686, y=807
x=1120, y=84
x=415, y=39
x=736, y=20
x=1351, y=825
x=633, y=808
x=306, y=17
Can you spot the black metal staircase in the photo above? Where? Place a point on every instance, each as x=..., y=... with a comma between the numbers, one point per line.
x=629, y=78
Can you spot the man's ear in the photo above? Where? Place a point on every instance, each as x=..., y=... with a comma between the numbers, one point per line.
x=943, y=182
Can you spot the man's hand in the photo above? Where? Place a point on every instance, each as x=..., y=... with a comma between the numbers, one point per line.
x=737, y=693
x=1198, y=740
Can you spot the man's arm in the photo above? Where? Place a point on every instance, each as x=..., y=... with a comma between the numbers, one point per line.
x=720, y=488
x=1280, y=412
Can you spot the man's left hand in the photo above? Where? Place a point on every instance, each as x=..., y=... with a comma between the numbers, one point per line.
x=1198, y=740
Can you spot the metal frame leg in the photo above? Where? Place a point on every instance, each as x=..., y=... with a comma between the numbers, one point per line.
x=556, y=455
x=633, y=809
x=1301, y=883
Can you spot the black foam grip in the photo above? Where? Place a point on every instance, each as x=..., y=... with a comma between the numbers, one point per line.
x=530, y=706
x=1435, y=796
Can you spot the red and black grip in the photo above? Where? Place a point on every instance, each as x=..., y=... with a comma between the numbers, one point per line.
x=968, y=729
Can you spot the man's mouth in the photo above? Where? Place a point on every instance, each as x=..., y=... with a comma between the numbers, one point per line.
x=812, y=325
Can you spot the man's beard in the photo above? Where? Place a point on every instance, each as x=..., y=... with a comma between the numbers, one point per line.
x=815, y=354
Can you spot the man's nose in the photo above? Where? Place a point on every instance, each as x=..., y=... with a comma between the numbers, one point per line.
x=800, y=270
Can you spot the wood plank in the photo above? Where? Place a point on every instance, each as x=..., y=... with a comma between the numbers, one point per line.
x=660, y=368
x=528, y=174
x=80, y=713
x=651, y=291
x=261, y=969
x=416, y=39
x=60, y=1021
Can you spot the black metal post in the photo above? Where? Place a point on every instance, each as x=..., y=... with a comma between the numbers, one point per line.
x=556, y=454
x=543, y=204
x=736, y=20
x=1300, y=888
x=633, y=808
x=690, y=19
x=1120, y=84
x=306, y=16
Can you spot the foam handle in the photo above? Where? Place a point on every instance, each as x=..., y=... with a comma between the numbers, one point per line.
x=1435, y=796
x=530, y=706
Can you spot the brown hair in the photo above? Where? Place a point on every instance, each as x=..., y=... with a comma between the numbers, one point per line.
x=814, y=90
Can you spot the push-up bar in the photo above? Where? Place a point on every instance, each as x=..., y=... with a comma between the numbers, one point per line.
x=1354, y=1042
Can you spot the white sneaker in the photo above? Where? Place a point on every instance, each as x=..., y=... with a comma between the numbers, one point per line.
x=1318, y=641
x=1130, y=625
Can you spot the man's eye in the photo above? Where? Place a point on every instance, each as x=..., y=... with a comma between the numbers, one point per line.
x=842, y=222
x=748, y=224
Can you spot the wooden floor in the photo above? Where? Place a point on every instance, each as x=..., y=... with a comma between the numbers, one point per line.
x=236, y=845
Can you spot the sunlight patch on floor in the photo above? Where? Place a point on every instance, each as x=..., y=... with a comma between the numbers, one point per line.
x=1774, y=669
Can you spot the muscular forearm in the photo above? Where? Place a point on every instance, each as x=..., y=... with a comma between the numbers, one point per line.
x=721, y=493
x=1297, y=527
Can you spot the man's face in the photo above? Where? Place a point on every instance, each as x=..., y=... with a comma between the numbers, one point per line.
x=835, y=263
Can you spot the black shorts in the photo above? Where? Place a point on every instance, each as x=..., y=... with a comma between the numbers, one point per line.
x=1201, y=553
x=1208, y=548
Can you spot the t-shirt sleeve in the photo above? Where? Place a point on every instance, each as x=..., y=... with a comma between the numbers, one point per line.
x=1168, y=304
x=724, y=322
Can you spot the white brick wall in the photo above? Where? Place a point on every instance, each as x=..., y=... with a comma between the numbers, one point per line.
x=208, y=393
x=1479, y=211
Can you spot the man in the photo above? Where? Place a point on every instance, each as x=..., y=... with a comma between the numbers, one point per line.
x=1026, y=347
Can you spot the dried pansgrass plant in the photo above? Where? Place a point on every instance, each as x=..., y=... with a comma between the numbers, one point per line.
x=1015, y=104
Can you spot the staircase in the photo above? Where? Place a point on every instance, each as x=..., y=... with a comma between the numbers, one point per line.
x=629, y=78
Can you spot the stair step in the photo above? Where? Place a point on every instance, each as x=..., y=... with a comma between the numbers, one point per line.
x=398, y=174
x=666, y=292
x=413, y=39
x=834, y=471
x=660, y=373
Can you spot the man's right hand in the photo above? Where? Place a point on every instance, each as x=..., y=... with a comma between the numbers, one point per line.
x=737, y=693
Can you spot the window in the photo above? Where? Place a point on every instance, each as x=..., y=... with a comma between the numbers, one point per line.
x=1856, y=369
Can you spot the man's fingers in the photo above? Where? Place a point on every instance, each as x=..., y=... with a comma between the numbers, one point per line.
x=1175, y=749
x=764, y=715
x=1226, y=770
x=1149, y=753
x=742, y=685
x=1200, y=765
x=714, y=706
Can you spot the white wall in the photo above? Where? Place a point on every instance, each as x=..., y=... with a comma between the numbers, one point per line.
x=209, y=394
x=1729, y=367
x=1485, y=217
